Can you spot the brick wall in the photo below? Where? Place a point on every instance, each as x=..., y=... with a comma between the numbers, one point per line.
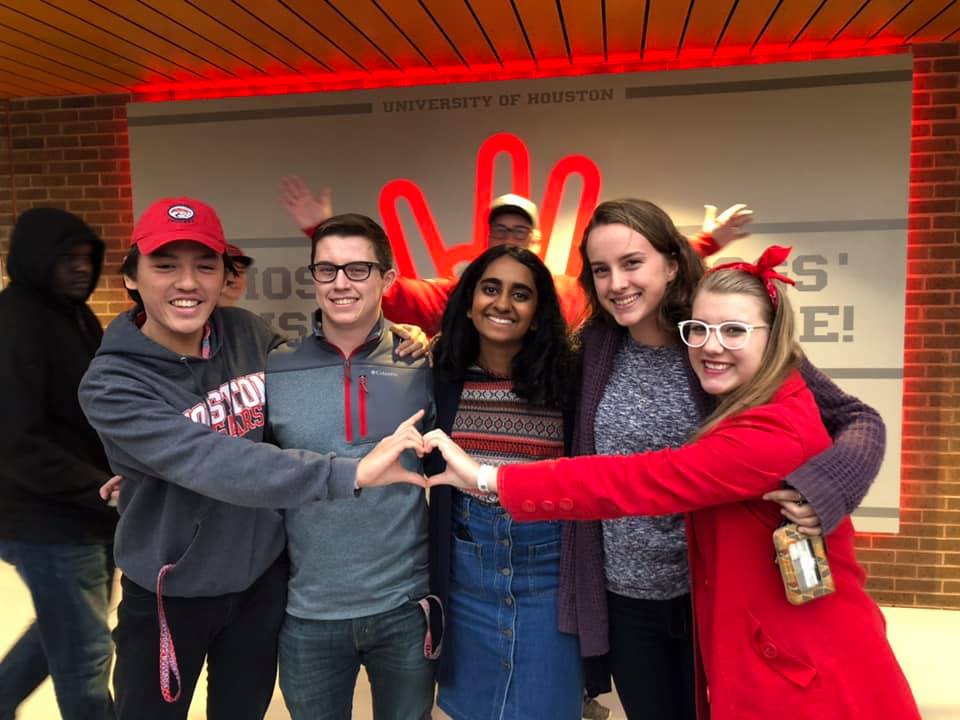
x=72, y=153
x=921, y=565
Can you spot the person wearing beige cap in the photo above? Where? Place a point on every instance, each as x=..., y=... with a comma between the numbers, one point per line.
x=236, y=283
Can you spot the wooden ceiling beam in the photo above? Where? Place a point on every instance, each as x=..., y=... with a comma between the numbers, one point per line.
x=708, y=19
x=381, y=33
x=29, y=45
x=546, y=32
x=940, y=26
x=583, y=20
x=45, y=21
x=625, y=29
x=747, y=22
x=499, y=22
x=904, y=23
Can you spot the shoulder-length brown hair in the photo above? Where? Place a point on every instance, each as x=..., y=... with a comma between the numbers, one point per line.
x=655, y=225
x=781, y=355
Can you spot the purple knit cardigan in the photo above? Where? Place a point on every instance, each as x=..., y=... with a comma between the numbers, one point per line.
x=834, y=482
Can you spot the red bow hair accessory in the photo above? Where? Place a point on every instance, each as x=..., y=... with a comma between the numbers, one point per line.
x=764, y=269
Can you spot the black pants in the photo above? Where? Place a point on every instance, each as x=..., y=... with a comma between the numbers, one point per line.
x=651, y=657
x=236, y=634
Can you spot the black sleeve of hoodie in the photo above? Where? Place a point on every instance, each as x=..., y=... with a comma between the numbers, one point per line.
x=146, y=436
x=836, y=481
x=34, y=458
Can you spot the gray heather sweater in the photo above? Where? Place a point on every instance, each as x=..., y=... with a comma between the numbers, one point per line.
x=646, y=405
x=834, y=482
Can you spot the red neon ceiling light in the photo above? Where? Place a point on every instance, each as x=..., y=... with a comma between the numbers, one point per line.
x=329, y=82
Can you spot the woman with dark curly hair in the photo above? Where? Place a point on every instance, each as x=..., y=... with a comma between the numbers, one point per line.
x=504, y=378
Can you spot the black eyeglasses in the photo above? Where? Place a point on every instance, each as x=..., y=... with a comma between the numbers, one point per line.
x=518, y=232
x=324, y=272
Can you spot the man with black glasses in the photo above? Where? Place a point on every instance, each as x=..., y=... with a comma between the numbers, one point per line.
x=358, y=570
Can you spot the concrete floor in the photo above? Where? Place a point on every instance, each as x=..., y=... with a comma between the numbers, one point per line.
x=927, y=643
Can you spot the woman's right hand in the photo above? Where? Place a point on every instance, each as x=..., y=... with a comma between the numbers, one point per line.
x=462, y=470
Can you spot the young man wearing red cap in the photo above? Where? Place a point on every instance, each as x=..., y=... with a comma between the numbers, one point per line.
x=176, y=393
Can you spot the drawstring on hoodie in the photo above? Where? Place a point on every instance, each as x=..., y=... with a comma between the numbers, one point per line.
x=168, y=652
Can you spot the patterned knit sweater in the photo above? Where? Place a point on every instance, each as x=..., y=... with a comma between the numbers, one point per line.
x=834, y=482
x=496, y=427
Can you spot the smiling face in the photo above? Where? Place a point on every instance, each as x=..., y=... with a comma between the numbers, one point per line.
x=722, y=371
x=350, y=305
x=630, y=277
x=179, y=284
x=504, y=304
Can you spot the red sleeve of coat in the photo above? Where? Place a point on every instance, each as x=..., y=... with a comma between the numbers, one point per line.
x=573, y=300
x=703, y=244
x=740, y=459
x=418, y=302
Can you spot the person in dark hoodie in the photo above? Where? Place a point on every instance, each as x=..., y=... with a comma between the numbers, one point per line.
x=176, y=393
x=53, y=526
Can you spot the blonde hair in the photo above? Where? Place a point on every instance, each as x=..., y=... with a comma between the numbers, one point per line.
x=781, y=355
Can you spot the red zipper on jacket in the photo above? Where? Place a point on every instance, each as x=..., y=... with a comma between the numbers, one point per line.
x=348, y=423
x=348, y=387
x=363, y=405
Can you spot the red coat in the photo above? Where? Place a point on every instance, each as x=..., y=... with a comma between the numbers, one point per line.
x=762, y=657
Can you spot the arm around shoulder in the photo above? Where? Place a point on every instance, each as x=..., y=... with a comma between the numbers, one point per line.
x=836, y=481
x=415, y=301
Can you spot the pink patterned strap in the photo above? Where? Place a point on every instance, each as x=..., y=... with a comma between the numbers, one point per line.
x=168, y=654
x=429, y=651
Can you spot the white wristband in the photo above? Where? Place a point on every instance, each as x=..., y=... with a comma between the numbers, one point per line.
x=485, y=475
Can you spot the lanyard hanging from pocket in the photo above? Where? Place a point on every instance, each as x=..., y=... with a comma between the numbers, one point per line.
x=431, y=651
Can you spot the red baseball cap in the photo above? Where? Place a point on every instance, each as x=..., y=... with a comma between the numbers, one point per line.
x=237, y=255
x=172, y=219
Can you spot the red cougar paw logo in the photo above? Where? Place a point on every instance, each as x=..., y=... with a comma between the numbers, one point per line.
x=445, y=259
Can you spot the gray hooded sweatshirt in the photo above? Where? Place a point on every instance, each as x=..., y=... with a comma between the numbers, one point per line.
x=197, y=493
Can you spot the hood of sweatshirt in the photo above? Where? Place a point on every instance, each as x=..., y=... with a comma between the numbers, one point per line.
x=39, y=238
x=124, y=337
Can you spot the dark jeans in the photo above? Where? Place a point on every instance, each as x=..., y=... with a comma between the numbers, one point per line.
x=69, y=640
x=320, y=659
x=651, y=657
x=236, y=633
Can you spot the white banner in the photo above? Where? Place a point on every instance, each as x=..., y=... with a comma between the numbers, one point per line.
x=819, y=150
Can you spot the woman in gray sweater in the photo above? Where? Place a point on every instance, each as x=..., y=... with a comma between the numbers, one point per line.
x=624, y=586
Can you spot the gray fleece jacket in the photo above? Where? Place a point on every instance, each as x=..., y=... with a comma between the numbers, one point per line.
x=199, y=492
x=369, y=556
